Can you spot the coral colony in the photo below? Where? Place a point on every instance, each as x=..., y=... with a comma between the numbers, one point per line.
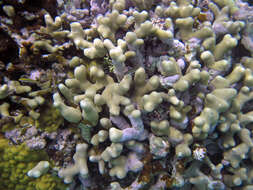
x=126, y=95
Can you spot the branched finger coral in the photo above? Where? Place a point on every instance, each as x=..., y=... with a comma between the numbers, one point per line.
x=126, y=94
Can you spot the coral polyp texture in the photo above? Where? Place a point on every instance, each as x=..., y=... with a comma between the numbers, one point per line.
x=126, y=94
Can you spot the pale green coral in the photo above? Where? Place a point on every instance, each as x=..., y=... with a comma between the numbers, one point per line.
x=3, y=91
x=9, y=10
x=80, y=166
x=40, y=169
x=108, y=25
x=227, y=43
x=91, y=50
x=215, y=103
x=203, y=94
x=122, y=165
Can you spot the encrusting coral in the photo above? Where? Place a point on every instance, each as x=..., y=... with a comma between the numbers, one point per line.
x=17, y=161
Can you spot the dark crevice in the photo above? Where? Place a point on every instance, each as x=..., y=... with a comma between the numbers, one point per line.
x=8, y=48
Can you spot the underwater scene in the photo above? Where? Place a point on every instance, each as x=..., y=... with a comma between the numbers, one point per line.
x=126, y=94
